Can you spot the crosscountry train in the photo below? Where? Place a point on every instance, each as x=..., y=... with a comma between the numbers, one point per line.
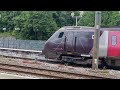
x=75, y=44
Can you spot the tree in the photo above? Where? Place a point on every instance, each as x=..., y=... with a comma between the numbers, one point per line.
x=63, y=18
x=109, y=18
x=32, y=22
x=6, y=20
x=87, y=19
x=42, y=24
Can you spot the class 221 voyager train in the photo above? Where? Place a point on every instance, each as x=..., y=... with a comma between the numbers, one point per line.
x=75, y=44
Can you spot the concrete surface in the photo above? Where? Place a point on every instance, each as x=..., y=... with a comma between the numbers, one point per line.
x=20, y=53
x=10, y=76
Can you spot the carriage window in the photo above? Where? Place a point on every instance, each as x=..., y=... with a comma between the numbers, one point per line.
x=61, y=35
x=114, y=40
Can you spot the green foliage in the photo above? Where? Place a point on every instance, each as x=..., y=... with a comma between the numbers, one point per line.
x=63, y=18
x=34, y=24
x=108, y=18
x=87, y=19
x=40, y=25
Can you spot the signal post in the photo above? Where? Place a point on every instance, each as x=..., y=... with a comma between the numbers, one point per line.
x=96, y=40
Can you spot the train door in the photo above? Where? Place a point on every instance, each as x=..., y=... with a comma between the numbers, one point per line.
x=69, y=41
x=84, y=42
x=114, y=43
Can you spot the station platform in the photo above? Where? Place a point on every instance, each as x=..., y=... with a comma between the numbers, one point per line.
x=11, y=76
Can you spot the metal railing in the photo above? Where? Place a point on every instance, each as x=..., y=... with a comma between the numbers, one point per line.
x=21, y=44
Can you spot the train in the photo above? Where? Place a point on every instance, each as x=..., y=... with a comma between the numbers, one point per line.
x=75, y=44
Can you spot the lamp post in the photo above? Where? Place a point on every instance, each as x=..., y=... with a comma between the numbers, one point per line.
x=76, y=17
x=36, y=30
x=17, y=29
x=0, y=18
x=4, y=29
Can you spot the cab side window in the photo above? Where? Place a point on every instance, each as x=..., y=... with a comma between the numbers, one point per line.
x=114, y=40
x=61, y=35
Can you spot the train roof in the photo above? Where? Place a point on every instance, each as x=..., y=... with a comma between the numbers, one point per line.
x=76, y=27
x=103, y=28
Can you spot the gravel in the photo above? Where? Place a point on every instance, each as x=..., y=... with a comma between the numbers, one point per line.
x=26, y=76
x=113, y=74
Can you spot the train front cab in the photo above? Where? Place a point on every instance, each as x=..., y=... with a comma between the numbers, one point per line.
x=114, y=48
x=54, y=46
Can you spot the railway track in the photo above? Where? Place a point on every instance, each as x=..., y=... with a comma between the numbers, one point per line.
x=47, y=73
x=31, y=55
x=42, y=72
x=37, y=55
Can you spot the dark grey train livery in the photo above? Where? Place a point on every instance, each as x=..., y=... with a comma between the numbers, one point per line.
x=76, y=43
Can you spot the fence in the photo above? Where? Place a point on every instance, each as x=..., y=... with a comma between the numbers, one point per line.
x=21, y=44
